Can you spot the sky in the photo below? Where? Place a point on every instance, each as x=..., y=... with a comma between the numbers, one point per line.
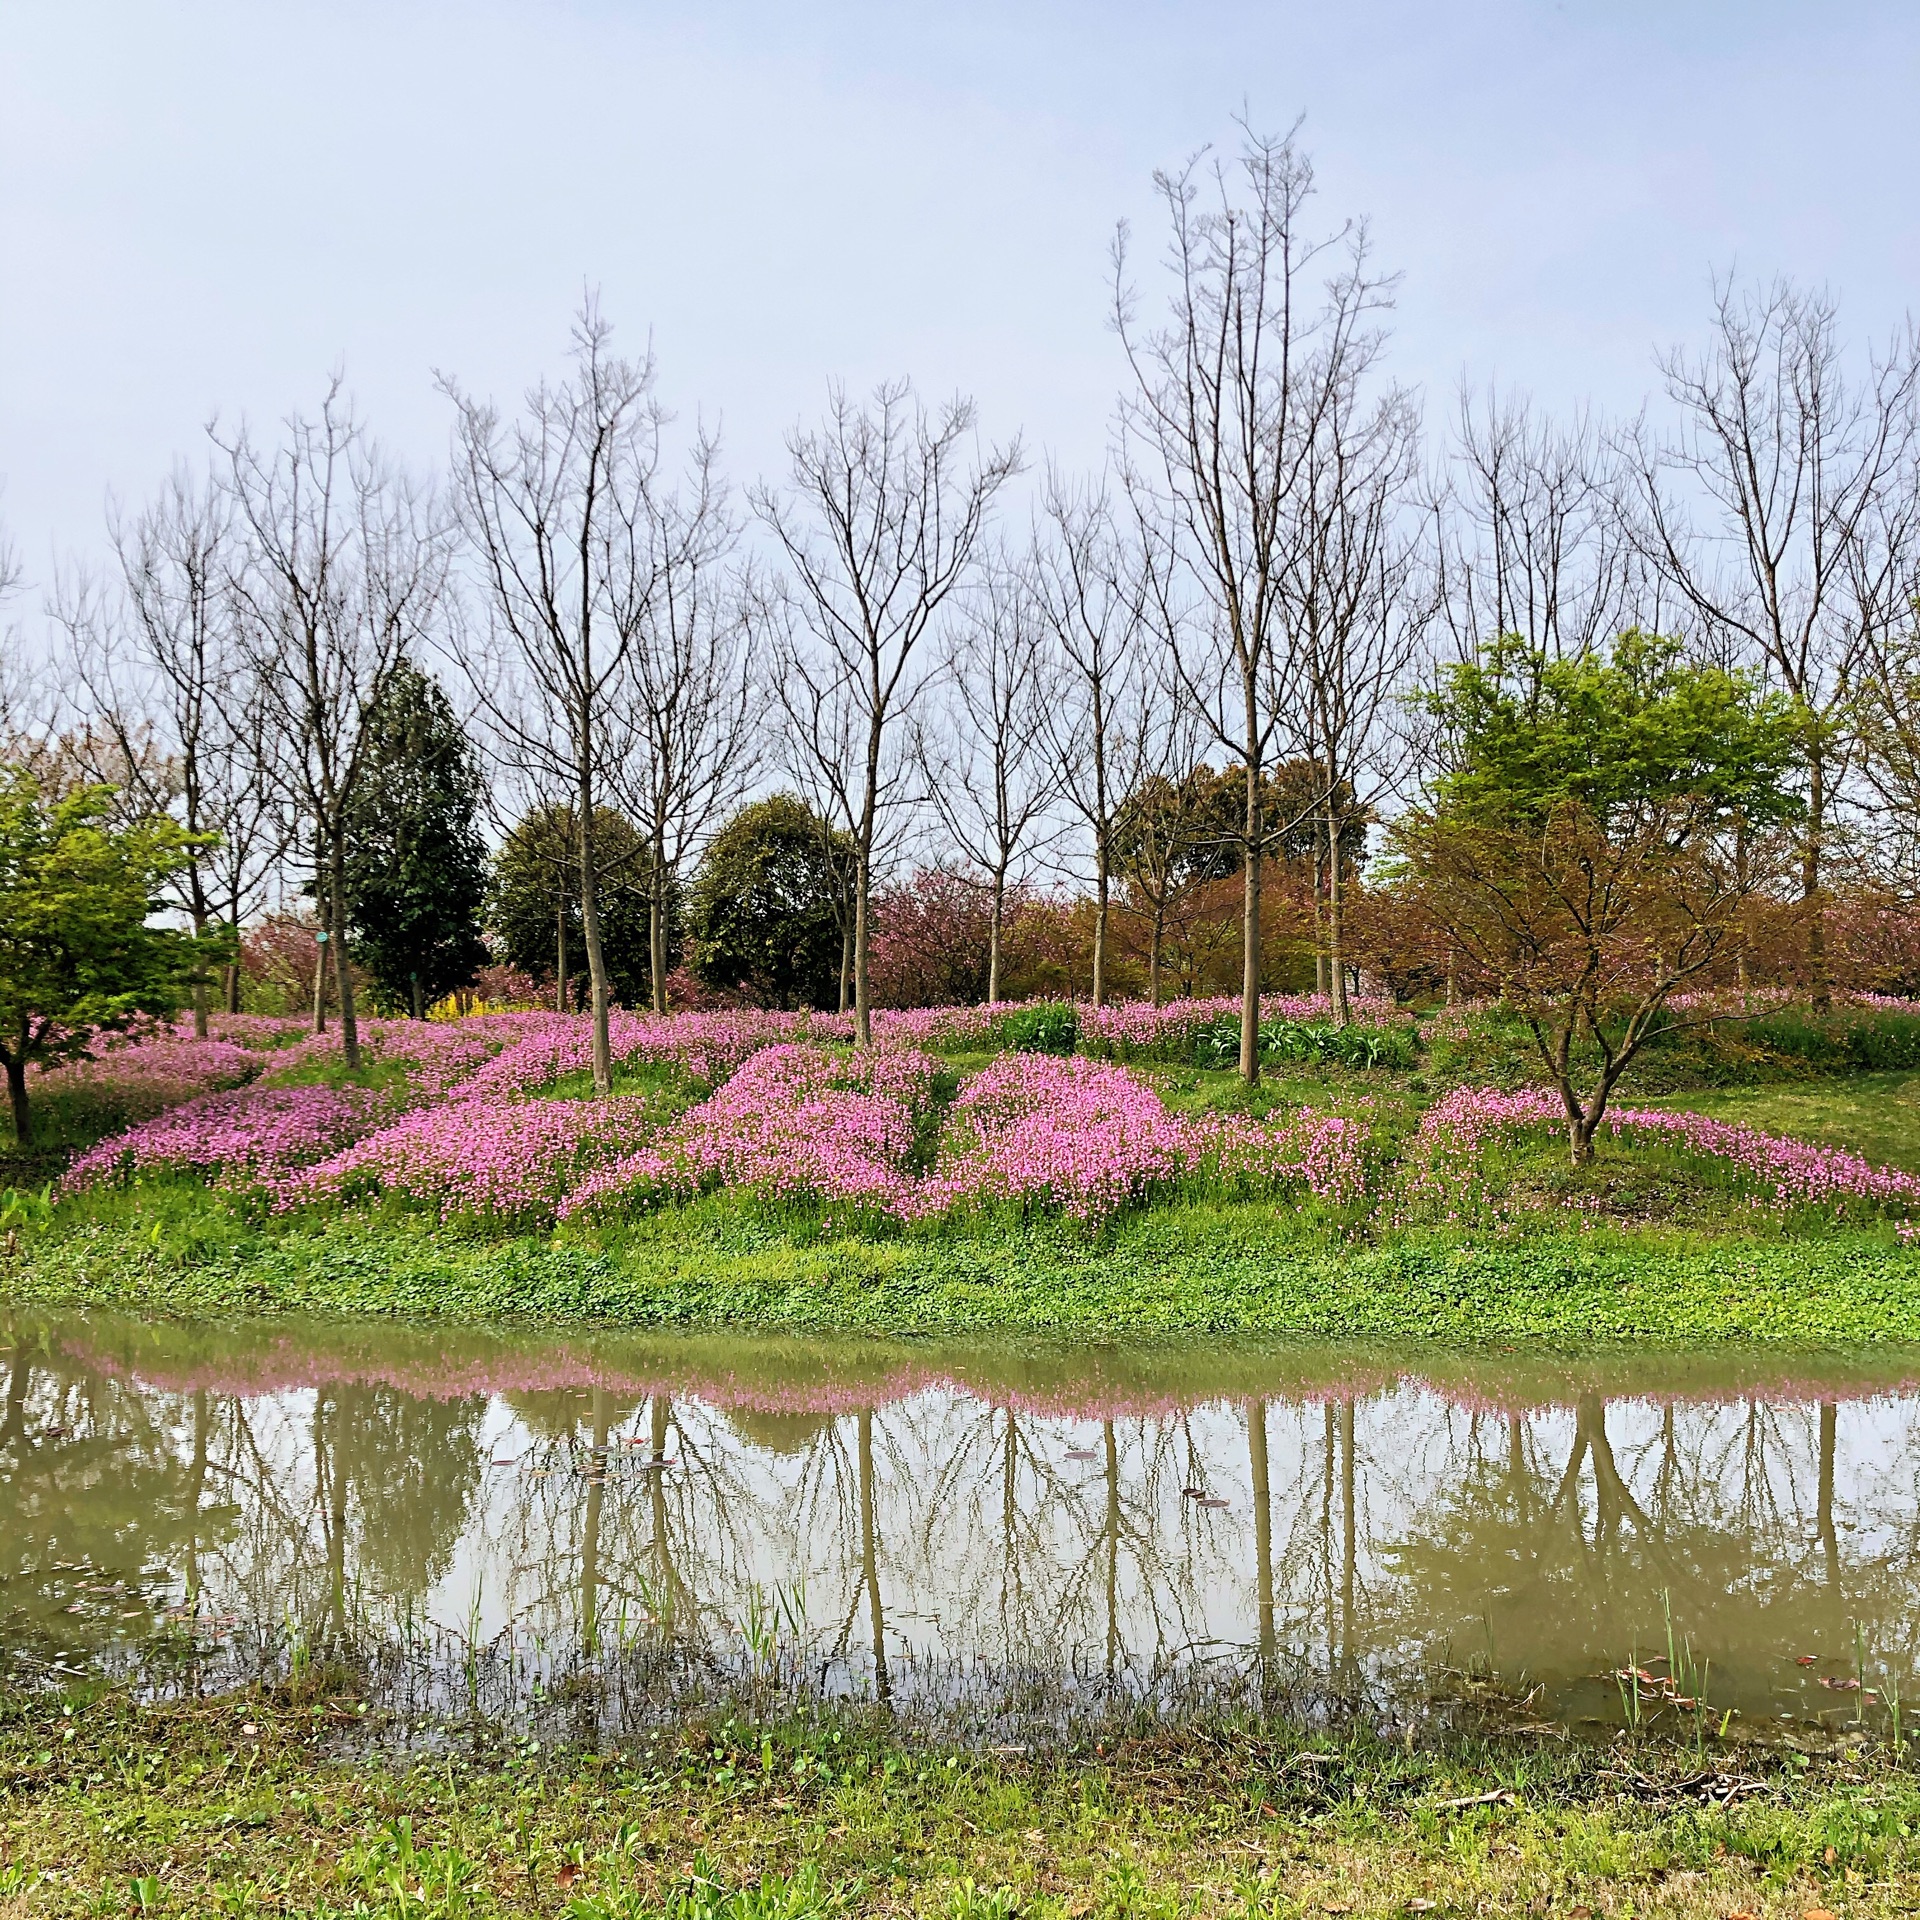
x=205, y=207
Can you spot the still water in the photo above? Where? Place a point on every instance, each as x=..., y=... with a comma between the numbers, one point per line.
x=875, y=1511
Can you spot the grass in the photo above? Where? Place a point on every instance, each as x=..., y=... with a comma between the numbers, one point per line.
x=267, y=1804
x=1226, y=1267
x=1877, y=1114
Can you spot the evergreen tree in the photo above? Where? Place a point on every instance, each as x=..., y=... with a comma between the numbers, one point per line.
x=416, y=870
x=533, y=906
x=765, y=913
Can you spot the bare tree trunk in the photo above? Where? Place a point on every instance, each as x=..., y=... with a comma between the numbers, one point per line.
x=1250, y=918
x=863, y=892
x=590, y=939
x=846, y=964
x=1741, y=856
x=342, y=967
x=1810, y=880
x=200, y=981
x=1319, y=924
x=862, y=1012
x=419, y=998
x=17, y=1094
x=657, y=928
x=993, y=936
x=1336, y=930
x=320, y=940
x=560, y=953
x=1156, y=942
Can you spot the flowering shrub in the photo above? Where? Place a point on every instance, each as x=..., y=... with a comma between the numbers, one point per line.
x=1782, y=1172
x=255, y=1134
x=794, y=1121
x=496, y=1156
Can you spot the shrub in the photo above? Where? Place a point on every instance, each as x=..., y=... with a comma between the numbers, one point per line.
x=1046, y=1026
x=1284, y=1040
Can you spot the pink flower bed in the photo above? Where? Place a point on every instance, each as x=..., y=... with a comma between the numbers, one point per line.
x=1785, y=1173
x=435, y=1054
x=1087, y=1138
x=706, y=1047
x=1062, y=1134
x=256, y=1134
x=149, y=1072
x=500, y=1156
x=794, y=1121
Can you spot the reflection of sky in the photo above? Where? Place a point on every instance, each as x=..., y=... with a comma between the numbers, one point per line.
x=990, y=1540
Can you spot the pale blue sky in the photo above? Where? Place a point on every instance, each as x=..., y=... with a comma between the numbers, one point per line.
x=206, y=204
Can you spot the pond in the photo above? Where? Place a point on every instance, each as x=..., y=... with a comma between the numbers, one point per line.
x=900, y=1519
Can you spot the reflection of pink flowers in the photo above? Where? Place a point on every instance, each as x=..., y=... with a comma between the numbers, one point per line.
x=254, y=1134
x=502, y=1157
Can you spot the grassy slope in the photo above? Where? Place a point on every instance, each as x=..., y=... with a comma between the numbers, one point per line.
x=1197, y=1268
x=235, y=1807
x=1679, y=1262
x=1877, y=1114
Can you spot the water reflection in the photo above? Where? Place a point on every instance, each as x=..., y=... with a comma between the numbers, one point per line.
x=1353, y=1511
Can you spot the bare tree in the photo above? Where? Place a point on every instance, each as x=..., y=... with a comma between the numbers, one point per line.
x=694, y=721
x=1782, y=510
x=171, y=701
x=882, y=523
x=1265, y=326
x=989, y=770
x=1360, y=614
x=821, y=743
x=1535, y=539
x=558, y=511
x=340, y=572
x=1093, y=591
x=26, y=703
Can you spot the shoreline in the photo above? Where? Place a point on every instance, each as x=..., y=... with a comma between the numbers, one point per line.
x=1176, y=1273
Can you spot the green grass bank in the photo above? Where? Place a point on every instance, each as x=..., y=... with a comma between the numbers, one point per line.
x=274, y=1803
x=1176, y=1270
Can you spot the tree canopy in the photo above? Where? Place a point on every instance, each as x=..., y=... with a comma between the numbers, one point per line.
x=533, y=905
x=77, y=957
x=765, y=916
x=415, y=866
x=1598, y=827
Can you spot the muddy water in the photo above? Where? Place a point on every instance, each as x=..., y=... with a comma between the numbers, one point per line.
x=1744, y=1527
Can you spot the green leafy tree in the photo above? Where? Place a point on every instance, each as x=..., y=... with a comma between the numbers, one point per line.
x=533, y=907
x=77, y=958
x=764, y=915
x=1595, y=838
x=415, y=868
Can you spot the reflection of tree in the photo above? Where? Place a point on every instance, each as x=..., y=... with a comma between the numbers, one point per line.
x=98, y=1496
x=1372, y=1529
